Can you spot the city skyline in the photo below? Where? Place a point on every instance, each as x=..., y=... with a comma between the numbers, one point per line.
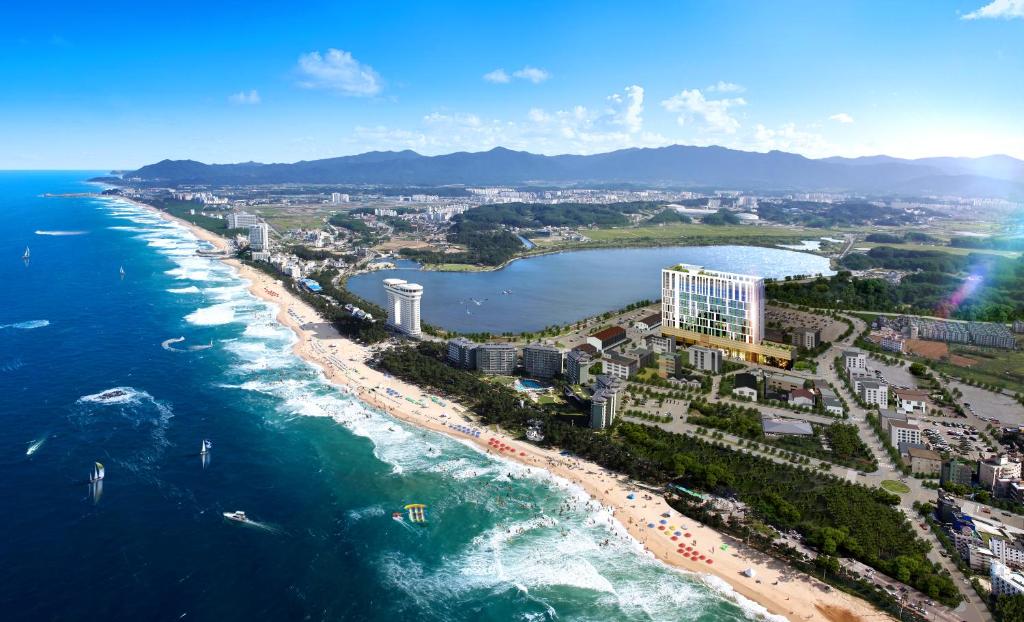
x=122, y=86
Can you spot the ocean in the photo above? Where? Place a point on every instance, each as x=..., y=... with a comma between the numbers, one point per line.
x=93, y=368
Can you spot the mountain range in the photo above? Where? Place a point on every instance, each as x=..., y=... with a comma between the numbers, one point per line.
x=676, y=165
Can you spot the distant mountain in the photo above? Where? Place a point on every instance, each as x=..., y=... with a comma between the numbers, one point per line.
x=677, y=165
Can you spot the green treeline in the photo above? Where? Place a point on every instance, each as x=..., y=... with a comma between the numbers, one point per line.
x=827, y=215
x=836, y=516
x=524, y=215
x=989, y=286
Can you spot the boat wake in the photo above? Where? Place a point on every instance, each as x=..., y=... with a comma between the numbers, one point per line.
x=42, y=232
x=167, y=344
x=29, y=325
x=35, y=445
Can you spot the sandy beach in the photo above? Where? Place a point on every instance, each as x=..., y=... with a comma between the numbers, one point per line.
x=779, y=589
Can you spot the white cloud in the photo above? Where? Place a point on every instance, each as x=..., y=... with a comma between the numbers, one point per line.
x=241, y=97
x=338, y=70
x=627, y=110
x=714, y=113
x=998, y=9
x=615, y=124
x=725, y=87
x=532, y=74
x=498, y=76
x=841, y=117
x=790, y=138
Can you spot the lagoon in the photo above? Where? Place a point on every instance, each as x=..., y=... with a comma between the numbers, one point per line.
x=565, y=287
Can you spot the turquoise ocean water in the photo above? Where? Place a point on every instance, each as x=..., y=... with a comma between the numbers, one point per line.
x=319, y=471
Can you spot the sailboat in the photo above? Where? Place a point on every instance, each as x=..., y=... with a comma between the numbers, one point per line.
x=122, y=272
x=97, y=473
x=205, y=447
x=27, y=254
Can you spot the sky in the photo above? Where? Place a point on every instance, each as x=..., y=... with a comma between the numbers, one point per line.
x=120, y=85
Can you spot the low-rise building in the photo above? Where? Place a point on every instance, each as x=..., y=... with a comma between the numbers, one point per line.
x=461, y=353
x=808, y=338
x=660, y=344
x=497, y=359
x=1005, y=582
x=911, y=401
x=802, y=397
x=648, y=323
x=924, y=461
x=854, y=360
x=904, y=432
x=997, y=468
x=957, y=472
x=607, y=338
x=875, y=393
x=831, y=401
x=745, y=385
x=887, y=415
x=619, y=366
x=577, y=367
x=542, y=361
x=783, y=382
x=785, y=427
x=705, y=359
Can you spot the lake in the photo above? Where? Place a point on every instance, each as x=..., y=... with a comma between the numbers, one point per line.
x=566, y=287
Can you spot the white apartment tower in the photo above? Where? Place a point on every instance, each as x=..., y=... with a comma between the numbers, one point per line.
x=259, y=237
x=403, y=305
x=709, y=302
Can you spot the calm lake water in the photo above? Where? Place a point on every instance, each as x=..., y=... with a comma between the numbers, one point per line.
x=566, y=287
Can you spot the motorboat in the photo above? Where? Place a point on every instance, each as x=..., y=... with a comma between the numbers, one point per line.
x=237, y=515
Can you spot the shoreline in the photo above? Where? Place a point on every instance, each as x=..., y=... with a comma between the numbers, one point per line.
x=777, y=588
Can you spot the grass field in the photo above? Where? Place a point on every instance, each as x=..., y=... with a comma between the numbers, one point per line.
x=283, y=218
x=897, y=487
x=681, y=232
x=952, y=250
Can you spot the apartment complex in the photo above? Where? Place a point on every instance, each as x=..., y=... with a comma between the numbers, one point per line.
x=404, y=305
x=541, y=361
x=496, y=358
x=577, y=367
x=718, y=310
x=259, y=237
x=705, y=359
x=461, y=353
x=241, y=220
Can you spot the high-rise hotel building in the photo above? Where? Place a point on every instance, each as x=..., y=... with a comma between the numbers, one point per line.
x=718, y=310
x=403, y=305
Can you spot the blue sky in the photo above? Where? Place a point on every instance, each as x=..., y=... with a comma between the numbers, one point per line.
x=124, y=84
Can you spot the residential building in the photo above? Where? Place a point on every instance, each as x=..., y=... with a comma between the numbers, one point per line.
x=876, y=393
x=904, y=432
x=403, y=305
x=619, y=366
x=887, y=415
x=604, y=403
x=337, y=197
x=577, y=367
x=721, y=310
x=997, y=468
x=808, y=338
x=668, y=365
x=461, y=353
x=786, y=427
x=911, y=401
x=855, y=361
x=648, y=323
x=541, y=361
x=660, y=344
x=705, y=359
x=893, y=342
x=259, y=237
x=607, y=338
x=857, y=379
x=1005, y=582
x=957, y=472
x=783, y=382
x=241, y=220
x=745, y=385
x=497, y=359
x=802, y=397
x=831, y=401
x=923, y=461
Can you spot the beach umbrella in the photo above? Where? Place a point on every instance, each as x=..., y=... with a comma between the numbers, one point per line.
x=663, y=521
x=675, y=537
x=711, y=561
x=702, y=556
x=687, y=534
x=662, y=527
x=678, y=533
x=650, y=525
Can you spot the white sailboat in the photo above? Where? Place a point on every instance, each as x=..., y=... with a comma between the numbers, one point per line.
x=27, y=254
x=205, y=447
x=97, y=473
x=122, y=272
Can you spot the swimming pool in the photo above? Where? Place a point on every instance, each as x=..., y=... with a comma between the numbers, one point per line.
x=528, y=384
